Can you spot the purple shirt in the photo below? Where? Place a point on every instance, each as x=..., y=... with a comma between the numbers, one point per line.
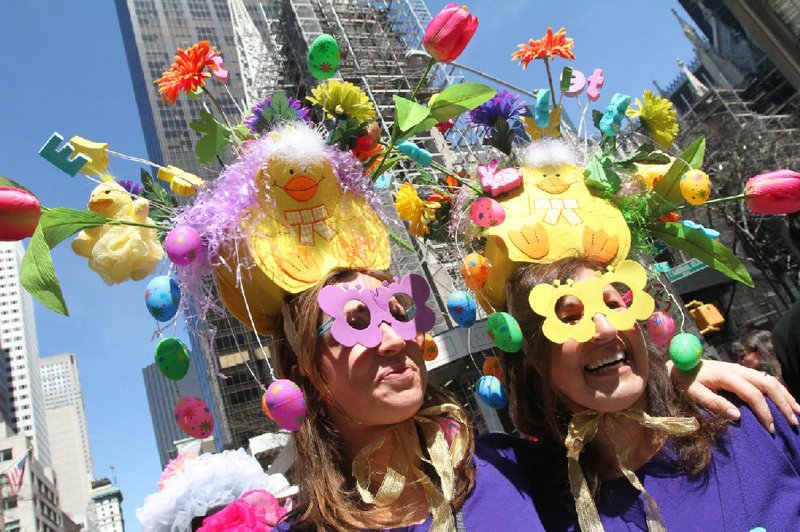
x=501, y=499
x=753, y=480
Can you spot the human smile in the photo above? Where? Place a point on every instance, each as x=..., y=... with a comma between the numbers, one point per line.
x=608, y=363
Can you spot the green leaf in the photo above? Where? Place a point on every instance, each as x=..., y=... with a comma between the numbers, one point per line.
x=394, y=236
x=600, y=176
x=61, y=223
x=279, y=103
x=667, y=193
x=596, y=117
x=698, y=245
x=154, y=192
x=6, y=182
x=425, y=125
x=408, y=113
x=425, y=177
x=459, y=98
x=215, y=137
x=242, y=133
x=38, y=276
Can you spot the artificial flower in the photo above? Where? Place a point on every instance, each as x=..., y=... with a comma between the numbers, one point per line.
x=549, y=46
x=449, y=32
x=256, y=122
x=502, y=105
x=658, y=116
x=188, y=73
x=412, y=209
x=444, y=127
x=19, y=214
x=342, y=99
x=776, y=192
x=134, y=188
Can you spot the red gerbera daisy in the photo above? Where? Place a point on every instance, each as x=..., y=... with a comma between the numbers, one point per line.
x=549, y=46
x=187, y=73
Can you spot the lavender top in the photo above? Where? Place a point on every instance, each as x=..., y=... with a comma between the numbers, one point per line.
x=753, y=481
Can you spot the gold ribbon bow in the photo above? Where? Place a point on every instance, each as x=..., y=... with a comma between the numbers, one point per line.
x=583, y=429
x=407, y=453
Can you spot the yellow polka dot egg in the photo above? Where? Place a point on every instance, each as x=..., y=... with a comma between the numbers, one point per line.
x=696, y=187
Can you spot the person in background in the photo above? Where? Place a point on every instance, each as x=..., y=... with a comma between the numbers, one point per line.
x=755, y=351
x=786, y=334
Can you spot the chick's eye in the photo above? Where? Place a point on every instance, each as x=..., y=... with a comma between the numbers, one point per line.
x=291, y=171
x=108, y=192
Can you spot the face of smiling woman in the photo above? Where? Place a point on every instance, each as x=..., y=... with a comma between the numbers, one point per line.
x=381, y=385
x=609, y=372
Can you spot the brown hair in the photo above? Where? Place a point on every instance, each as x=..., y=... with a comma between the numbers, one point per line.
x=328, y=498
x=761, y=342
x=538, y=411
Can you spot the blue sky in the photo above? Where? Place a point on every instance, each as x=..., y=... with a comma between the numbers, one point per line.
x=66, y=71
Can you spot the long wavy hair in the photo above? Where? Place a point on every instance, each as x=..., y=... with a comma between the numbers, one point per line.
x=537, y=409
x=761, y=342
x=328, y=499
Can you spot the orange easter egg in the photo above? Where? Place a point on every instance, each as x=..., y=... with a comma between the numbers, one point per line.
x=475, y=269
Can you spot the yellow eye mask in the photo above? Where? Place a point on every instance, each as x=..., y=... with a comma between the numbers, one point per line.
x=544, y=298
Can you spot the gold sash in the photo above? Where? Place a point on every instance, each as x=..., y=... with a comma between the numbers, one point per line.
x=407, y=452
x=583, y=429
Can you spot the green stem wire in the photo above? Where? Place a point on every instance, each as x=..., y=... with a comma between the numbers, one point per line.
x=716, y=200
x=455, y=176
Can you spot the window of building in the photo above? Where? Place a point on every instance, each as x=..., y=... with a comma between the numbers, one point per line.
x=5, y=454
x=10, y=502
x=13, y=526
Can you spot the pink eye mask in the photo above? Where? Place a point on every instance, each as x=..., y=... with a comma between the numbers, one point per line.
x=333, y=298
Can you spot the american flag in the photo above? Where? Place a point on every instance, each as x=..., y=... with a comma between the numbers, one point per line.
x=15, y=475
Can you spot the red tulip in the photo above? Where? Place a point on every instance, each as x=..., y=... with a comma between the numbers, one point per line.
x=19, y=214
x=449, y=32
x=776, y=192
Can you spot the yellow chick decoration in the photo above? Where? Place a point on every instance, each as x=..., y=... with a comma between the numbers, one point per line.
x=304, y=226
x=550, y=216
x=119, y=252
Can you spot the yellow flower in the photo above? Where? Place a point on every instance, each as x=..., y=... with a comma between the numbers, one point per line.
x=658, y=116
x=342, y=99
x=412, y=209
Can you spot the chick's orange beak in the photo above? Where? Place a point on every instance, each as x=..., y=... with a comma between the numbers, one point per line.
x=301, y=188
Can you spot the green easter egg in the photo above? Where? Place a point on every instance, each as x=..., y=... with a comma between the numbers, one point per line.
x=504, y=331
x=172, y=358
x=685, y=351
x=323, y=57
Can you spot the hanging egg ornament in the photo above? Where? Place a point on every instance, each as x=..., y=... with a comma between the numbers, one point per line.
x=492, y=367
x=286, y=405
x=486, y=212
x=461, y=306
x=685, y=351
x=475, y=269
x=194, y=417
x=492, y=392
x=695, y=187
x=323, y=57
x=183, y=244
x=661, y=328
x=264, y=406
x=162, y=297
x=172, y=358
x=504, y=332
x=428, y=347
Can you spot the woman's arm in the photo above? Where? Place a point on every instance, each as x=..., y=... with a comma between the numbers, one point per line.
x=704, y=382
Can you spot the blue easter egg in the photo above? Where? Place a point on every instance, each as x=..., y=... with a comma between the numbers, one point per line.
x=162, y=297
x=491, y=391
x=461, y=306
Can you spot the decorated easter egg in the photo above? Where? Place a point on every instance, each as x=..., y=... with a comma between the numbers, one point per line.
x=172, y=358
x=428, y=347
x=685, y=351
x=661, y=328
x=491, y=391
x=504, y=332
x=265, y=406
x=183, y=244
x=461, y=306
x=491, y=366
x=486, y=212
x=162, y=297
x=285, y=404
x=194, y=417
x=695, y=187
x=475, y=269
x=323, y=57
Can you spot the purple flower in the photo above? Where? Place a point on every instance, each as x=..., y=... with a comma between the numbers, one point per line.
x=504, y=104
x=131, y=187
x=256, y=123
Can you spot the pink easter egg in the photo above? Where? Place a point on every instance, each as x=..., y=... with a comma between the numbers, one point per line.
x=285, y=404
x=183, y=245
x=661, y=328
x=487, y=212
x=194, y=417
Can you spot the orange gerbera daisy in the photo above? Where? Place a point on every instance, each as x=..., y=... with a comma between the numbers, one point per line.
x=187, y=73
x=549, y=46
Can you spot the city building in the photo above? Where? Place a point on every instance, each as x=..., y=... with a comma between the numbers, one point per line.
x=264, y=44
x=69, y=435
x=107, y=500
x=22, y=383
x=36, y=505
x=162, y=396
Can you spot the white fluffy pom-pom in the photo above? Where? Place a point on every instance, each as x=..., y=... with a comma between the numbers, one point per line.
x=549, y=152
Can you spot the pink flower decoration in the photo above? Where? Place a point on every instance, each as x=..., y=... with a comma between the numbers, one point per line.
x=776, y=192
x=495, y=181
x=255, y=511
x=449, y=32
